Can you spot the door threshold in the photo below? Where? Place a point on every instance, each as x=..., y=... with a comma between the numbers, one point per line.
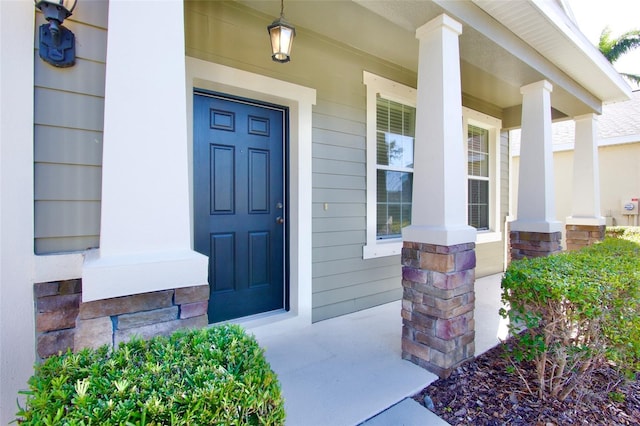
x=258, y=320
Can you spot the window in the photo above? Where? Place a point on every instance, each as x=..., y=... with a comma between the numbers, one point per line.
x=395, y=130
x=483, y=174
x=478, y=171
x=391, y=116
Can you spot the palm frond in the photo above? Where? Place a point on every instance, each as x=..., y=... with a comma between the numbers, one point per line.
x=635, y=78
x=606, y=42
x=623, y=44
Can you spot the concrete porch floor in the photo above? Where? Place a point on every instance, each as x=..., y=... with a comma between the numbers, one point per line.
x=346, y=370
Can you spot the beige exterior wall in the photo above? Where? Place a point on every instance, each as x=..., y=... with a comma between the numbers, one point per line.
x=619, y=180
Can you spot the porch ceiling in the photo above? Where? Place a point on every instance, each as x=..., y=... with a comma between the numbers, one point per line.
x=504, y=45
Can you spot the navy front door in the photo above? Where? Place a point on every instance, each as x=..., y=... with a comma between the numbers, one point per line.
x=239, y=204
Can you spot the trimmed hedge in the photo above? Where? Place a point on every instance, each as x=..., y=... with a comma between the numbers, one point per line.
x=215, y=375
x=579, y=309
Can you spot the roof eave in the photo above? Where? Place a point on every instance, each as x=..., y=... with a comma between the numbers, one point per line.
x=602, y=79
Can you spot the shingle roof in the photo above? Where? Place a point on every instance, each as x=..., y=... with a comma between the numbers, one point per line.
x=621, y=118
x=618, y=120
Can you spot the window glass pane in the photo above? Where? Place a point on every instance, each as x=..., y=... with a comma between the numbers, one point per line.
x=478, y=204
x=478, y=164
x=400, y=150
x=395, y=118
x=478, y=151
x=409, y=123
x=382, y=115
x=393, y=202
x=395, y=134
x=382, y=149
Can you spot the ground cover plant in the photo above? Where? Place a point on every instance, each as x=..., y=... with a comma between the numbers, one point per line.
x=216, y=375
x=577, y=361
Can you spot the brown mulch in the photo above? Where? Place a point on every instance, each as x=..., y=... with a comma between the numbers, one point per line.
x=482, y=392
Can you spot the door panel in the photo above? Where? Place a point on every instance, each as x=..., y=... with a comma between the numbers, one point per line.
x=239, y=204
x=222, y=188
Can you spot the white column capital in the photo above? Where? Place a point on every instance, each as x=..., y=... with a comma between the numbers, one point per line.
x=440, y=22
x=537, y=86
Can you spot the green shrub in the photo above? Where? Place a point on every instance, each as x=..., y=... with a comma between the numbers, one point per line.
x=578, y=309
x=216, y=375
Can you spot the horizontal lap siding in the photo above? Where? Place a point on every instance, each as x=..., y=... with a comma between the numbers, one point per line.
x=489, y=258
x=69, y=111
x=342, y=281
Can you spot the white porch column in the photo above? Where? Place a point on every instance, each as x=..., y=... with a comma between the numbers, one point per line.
x=439, y=213
x=438, y=253
x=145, y=227
x=586, y=174
x=536, y=197
x=585, y=225
x=17, y=319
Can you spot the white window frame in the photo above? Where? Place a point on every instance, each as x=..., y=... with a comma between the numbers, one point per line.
x=397, y=92
x=493, y=126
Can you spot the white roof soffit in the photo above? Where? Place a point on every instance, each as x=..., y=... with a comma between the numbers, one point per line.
x=545, y=26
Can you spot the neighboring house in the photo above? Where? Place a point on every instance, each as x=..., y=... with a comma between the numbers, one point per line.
x=176, y=154
x=619, y=155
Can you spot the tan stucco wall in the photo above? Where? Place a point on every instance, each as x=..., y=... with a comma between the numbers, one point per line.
x=619, y=180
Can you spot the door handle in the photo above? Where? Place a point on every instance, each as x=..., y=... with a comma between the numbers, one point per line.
x=279, y=220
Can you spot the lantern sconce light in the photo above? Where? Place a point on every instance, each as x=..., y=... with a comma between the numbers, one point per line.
x=282, y=34
x=57, y=44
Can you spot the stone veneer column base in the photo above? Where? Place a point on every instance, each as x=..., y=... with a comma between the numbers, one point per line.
x=438, y=331
x=579, y=236
x=534, y=244
x=64, y=322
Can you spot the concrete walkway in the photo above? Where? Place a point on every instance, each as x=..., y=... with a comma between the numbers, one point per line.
x=348, y=370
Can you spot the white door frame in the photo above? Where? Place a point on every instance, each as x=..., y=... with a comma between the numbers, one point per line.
x=299, y=100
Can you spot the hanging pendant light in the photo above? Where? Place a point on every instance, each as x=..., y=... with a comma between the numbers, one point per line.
x=282, y=34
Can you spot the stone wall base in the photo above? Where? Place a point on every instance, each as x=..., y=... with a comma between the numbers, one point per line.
x=438, y=331
x=534, y=244
x=63, y=322
x=579, y=236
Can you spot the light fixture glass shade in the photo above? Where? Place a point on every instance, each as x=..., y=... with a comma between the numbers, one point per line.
x=282, y=34
x=58, y=10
